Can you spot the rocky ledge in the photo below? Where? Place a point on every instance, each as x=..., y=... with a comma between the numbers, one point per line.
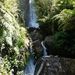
x=54, y=65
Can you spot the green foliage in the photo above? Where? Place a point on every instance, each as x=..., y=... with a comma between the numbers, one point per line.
x=57, y=18
x=64, y=44
x=13, y=40
x=65, y=19
x=48, y=10
x=59, y=39
x=11, y=6
x=44, y=7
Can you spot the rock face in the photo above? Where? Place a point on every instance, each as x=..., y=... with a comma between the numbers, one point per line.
x=49, y=44
x=24, y=6
x=36, y=42
x=54, y=65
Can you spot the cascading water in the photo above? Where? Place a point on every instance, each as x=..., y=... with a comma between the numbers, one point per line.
x=30, y=68
x=44, y=49
x=32, y=15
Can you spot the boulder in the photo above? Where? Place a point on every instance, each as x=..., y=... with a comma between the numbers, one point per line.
x=36, y=42
x=54, y=65
x=48, y=42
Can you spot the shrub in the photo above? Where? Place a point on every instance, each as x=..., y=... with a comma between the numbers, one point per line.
x=13, y=42
x=64, y=44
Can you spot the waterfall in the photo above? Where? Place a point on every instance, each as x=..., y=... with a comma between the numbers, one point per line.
x=44, y=55
x=32, y=15
x=44, y=49
x=30, y=68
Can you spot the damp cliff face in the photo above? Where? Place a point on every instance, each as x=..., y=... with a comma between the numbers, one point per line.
x=28, y=12
x=24, y=6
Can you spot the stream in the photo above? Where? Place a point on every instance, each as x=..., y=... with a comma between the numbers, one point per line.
x=30, y=67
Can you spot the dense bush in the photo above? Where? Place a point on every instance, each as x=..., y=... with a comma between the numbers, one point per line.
x=65, y=20
x=57, y=18
x=64, y=44
x=46, y=10
x=13, y=40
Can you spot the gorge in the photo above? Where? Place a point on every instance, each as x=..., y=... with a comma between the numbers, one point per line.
x=46, y=64
x=37, y=37
x=32, y=23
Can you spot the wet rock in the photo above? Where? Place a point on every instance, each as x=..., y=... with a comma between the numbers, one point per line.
x=32, y=29
x=37, y=48
x=35, y=35
x=54, y=65
x=36, y=42
x=48, y=42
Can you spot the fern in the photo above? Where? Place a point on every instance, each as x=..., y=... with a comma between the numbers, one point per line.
x=63, y=19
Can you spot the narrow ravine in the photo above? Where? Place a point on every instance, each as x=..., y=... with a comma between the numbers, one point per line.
x=30, y=68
